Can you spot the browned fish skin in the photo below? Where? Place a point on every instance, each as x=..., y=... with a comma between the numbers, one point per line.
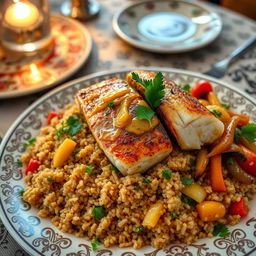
x=180, y=111
x=129, y=152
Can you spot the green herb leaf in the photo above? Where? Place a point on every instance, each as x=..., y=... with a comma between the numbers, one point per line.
x=216, y=113
x=30, y=142
x=237, y=135
x=143, y=112
x=115, y=170
x=99, y=212
x=139, y=229
x=221, y=230
x=95, y=244
x=19, y=163
x=148, y=181
x=72, y=126
x=174, y=215
x=249, y=132
x=188, y=200
x=230, y=161
x=192, y=162
x=225, y=106
x=154, y=88
x=76, y=151
x=22, y=192
x=89, y=169
x=136, y=186
x=187, y=181
x=186, y=88
x=167, y=174
x=49, y=179
x=111, y=104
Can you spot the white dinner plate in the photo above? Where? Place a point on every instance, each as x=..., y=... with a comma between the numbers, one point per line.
x=167, y=26
x=21, y=75
x=40, y=237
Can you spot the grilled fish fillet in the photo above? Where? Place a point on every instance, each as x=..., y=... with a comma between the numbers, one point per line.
x=132, y=145
x=191, y=123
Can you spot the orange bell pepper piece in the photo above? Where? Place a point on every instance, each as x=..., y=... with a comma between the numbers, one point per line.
x=243, y=119
x=227, y=137
x=216, y=177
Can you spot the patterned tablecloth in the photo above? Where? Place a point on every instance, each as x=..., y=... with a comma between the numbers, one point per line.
x=111, y=53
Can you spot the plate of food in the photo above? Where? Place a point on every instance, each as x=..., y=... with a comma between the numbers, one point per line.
x=133, y=162
x=167, y=26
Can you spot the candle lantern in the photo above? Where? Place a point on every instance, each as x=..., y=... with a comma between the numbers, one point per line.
x=25, y=25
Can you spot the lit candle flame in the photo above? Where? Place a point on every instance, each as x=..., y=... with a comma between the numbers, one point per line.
x=35, y=73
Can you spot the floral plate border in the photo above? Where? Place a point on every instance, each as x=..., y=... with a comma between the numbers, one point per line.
x=40, y=237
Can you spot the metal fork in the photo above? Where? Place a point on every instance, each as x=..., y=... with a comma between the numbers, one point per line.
x=219, y=69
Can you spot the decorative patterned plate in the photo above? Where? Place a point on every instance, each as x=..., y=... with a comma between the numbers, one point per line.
x=40, y=237
x=21, y=75
x=167, y=26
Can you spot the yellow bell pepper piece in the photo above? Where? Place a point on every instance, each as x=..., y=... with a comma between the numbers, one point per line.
x=153, y=215
x=213, y=99
x=222, y=114
x=63, y=152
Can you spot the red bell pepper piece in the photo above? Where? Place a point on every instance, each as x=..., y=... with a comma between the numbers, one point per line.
x=249, y=165
x=33, y=165
x=239, y=208
x=51, y=115
x=201, y=89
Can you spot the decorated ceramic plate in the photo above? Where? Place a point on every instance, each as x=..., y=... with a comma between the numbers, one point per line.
x=25, y=75
x=167, y=26
x=38, y=236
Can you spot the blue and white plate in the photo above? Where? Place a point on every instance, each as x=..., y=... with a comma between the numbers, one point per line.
x=40, y=237
x=167, y=26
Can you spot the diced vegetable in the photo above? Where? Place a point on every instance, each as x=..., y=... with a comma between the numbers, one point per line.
x=213, y=99
x=187, y=181
x=227, y=137
x=250, y=145
x=216, y=176
x=222, y=113
x=195, y=192
x=237, y=172
x=51, y=115
x=201, y=162
x=243, y=119
x=63, y=152
x=167, y=174
x=153, y=215
x=33, y=166
x=204, y=102
x=95, y=244
x=201, y=89
x=250, y=164
x=239, y=208
x=99, y=212
x=210, y=210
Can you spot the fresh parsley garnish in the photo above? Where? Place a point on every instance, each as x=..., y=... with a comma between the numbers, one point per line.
x=167, y=174
x=19, y=163
x=136, y=186
x=99, y=212
x=216, y=113
x=154, y=88
x=89, y=169
x=139, y=229
x=186, y=88
x=225, y=106
x=188, y=200
x=187, y=181
x=22, y=192
x=72, y=126
x=114, y=169
x=249, y=132
x=221, y=230
x=192, y=162
x=148, y=181
x=49, y=179
x=174, y=215
x=30, y=142
x=95, y=244
x=143, y=112
x=111, y=104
